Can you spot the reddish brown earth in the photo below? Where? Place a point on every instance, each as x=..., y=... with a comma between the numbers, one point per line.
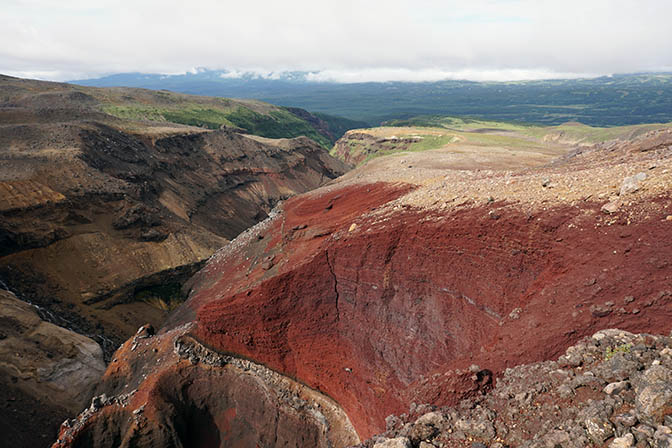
x=428, y=293
x=379, y=294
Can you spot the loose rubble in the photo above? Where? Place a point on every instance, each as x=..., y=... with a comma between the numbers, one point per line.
x=613, y=389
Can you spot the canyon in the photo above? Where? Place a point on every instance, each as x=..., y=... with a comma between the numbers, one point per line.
x=417, y=279
x=102, y=220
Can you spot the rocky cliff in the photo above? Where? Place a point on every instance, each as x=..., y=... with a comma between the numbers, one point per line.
x=383, y=288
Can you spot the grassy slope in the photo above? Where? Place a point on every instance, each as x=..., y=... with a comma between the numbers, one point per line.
x=457, y=123
x=580, y=133
x=427, y=142
x=436, y=132
x=140, y=106
x=574, y=132
x=213, y=113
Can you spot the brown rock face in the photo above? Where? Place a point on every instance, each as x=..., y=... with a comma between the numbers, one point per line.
x=102, y=219
x=380, y=294
x=203, y=399
x=356, y=146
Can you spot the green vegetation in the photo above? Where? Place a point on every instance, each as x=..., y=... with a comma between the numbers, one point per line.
x=574, y=132
x=276, y=123
x=607, y=101
x=457, y=123
x=189, y=114
x=205, y=118
x=429, y=132
x=339, y=125
x=582, y=133
x=279, y=123
x=418, y=141
x=611, y=351
x=426, y=143
x=432, y=142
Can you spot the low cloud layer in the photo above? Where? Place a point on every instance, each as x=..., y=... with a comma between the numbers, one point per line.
x=350, y=41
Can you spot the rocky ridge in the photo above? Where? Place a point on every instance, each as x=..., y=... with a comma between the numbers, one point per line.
x=255, y=404
x=100, y=214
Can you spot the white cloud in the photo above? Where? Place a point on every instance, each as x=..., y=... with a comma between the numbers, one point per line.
x=344, y=40
x=403, y=74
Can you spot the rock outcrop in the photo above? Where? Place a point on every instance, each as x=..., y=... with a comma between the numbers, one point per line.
x=204, y=399
x=358, y=146
x=424, y=284
x=40, y=363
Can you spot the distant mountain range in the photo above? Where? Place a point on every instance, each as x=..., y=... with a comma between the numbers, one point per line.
x=605, y=101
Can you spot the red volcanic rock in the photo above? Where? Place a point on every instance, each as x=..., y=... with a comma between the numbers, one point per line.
x=377, y=303
x=202, y=399
x=376, y=316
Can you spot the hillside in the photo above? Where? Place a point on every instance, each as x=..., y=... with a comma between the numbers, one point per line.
x=103, y=219
x=248, y=116
x=606, y=101
x=416, y=279
x=425, y=133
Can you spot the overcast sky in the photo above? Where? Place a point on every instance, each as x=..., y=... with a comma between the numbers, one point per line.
x=344, y=40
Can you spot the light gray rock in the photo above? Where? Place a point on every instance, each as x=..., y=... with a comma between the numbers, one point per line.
x=627, y=420
x=627, y=441
x=476, y=428
x=596, y=422
x=557, y=438
x=598, y=430
x=654, y=394
x=616, y=388
x=427, y=426
x=611, y=207
x=435, y=419
x=662, y=437
x=398, y=442
x=632, y=183
x=643, y=432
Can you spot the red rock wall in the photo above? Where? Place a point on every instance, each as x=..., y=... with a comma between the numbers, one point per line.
x=368, y=315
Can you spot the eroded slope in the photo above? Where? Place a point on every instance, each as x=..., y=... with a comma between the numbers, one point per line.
x=383, y=288
x=103, y=219
x=611, y=389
